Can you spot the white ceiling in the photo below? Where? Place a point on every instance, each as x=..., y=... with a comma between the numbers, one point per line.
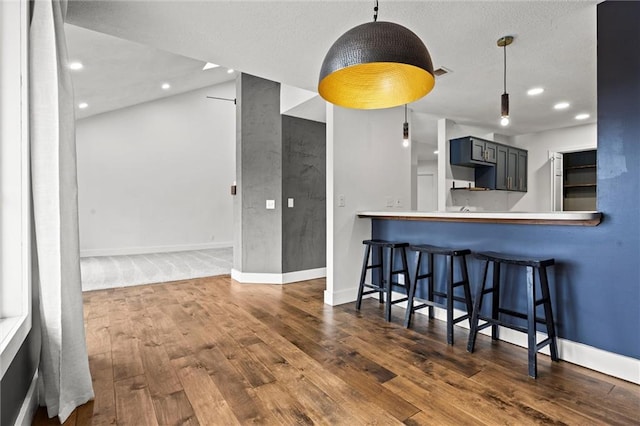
x=119, y=73
x=285, y=41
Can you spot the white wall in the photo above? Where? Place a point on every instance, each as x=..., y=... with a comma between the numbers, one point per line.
x=156, y=176
x=366, y=164
x=427, y=195
x=578, y=138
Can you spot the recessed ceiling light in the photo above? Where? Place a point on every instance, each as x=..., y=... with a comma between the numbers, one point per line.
x=230, y=70
x=209, y=66
x=166, y=86
x=535, y=91
x=435, y=152
x=582, y=116
x=561, y=105
x=83, y=105
x=76, y=65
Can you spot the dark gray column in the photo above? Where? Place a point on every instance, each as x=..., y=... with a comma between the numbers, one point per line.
x=304, y=227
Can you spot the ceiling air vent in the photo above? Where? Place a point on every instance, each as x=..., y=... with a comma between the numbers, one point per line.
x=441, y=71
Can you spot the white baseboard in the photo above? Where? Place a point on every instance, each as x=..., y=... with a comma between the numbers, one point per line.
x=609, y=363
x=612, y=364
x=124, y=251
x=275, y=278
x=29, y=405
x=340, y=297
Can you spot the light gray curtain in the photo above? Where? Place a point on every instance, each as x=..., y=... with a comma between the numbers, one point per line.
x=64, y=377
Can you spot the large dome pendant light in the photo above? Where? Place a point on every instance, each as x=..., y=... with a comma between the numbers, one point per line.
x=376, y=65
x=504, y=100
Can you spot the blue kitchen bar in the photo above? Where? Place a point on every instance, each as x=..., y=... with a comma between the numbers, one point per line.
x=593, y=282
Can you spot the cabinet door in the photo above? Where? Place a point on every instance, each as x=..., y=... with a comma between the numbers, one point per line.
x=522, y=171
x=477, y=149
x=501, y=167
x=512, y=168
x=490, y=152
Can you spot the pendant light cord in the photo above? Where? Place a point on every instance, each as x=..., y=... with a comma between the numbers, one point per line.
x=505, y=67
x=405, y=113
x=375, y=12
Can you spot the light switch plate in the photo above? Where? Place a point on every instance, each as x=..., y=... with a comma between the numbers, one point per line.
x=290, y=203
x=271, y=204
x=341, y=200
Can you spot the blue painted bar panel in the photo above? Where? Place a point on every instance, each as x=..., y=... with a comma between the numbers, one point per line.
x=595, y=285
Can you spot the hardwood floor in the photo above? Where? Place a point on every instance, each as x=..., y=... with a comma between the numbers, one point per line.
x=214, y=352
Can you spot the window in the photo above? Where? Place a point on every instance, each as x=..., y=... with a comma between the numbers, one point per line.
x=15, y=261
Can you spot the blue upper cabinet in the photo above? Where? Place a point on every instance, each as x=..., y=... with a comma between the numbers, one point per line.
x=496, y=166
x=471, y=152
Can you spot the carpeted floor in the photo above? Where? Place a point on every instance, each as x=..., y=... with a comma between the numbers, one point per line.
x=123, y=271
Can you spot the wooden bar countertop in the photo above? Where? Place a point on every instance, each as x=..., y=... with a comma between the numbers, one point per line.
x=577, y=218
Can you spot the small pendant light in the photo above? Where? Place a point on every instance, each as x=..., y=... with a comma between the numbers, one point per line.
x=504, y=100
x=376, y=65
x=405, y=129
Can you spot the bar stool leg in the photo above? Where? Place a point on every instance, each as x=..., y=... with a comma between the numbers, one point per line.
x=473, y=332
x=495, y=305
x=449, y=263
x=405, y=268
x=380, y=273
x=531, y=323
x=363, y=275
x=466, y=287
x=412, y=292
x=430, y=289
x=388, y=286
x=548, y=313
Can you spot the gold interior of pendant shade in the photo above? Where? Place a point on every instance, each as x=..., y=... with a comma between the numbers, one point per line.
x=376, y=65
x=376, y=85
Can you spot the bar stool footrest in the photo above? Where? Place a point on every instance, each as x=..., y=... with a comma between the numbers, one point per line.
x=491, y=321
x=375, y=289
x=429, y=304
x=444, y=295
x=543, y=343
x=520, y=315
x=461, y=318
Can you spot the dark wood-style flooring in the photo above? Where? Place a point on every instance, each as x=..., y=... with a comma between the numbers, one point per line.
x=215, y=352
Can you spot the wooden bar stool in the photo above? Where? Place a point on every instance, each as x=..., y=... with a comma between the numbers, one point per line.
x=384, y=266
x=532, y=319
x=449, y=295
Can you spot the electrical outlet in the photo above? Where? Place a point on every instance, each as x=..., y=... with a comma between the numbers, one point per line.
x=290, y=203
x=341, y=201
x=398, y=203
x=271, y=204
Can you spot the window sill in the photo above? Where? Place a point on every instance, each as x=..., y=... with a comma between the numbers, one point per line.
x=13, y=332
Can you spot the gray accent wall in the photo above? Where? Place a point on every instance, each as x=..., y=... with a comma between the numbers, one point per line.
x=277, y=157
x=258, y=232
x=304, y=227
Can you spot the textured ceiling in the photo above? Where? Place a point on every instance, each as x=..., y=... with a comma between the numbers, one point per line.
x=285, y=41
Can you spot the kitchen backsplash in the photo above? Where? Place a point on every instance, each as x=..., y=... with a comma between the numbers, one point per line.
x=482, y=200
